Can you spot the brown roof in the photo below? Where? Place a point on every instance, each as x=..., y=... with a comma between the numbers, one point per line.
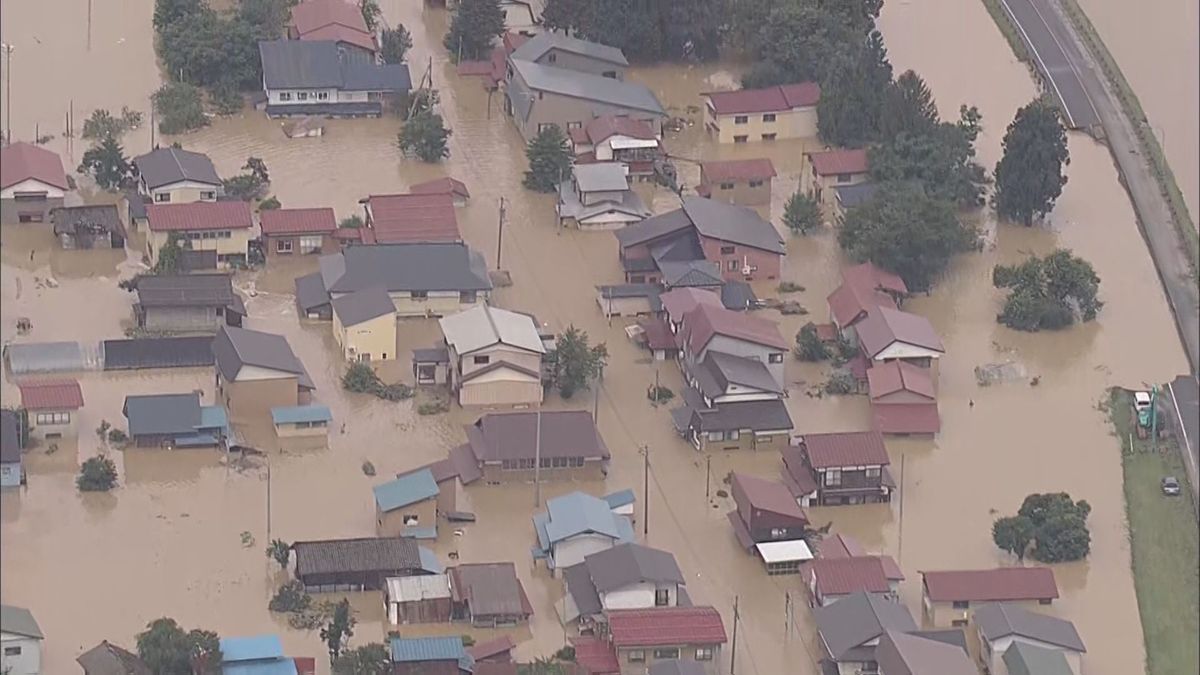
x=51, y=395
x=842, y=576
x=769, y=495
x=109, y=659
x=840, y=546
x=759, y=168
x=796, y=474
x=680, y=301
x=657, y=334
x=666, y=626
x=767, y=99
x=491, y=648
x=884, y=325
x=365, y=554
x=438, y=186
x=868, y=275
x=22, y=161
x=199, y=216
x=705, y=321
x=476, y=68
x=906, y=418
x=335, y=20
x=917, y=655
x=413, y=218
x=605, y=126
x=897, y=376
x=491, y=589
x=853, y=448
x=852, y=301
x=340, y=33
x=1001, y=584
x=297, y=221
x=565, y=433
x=833, y=162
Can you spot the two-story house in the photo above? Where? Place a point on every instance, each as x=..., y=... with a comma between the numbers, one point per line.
x=566, y=444
x=32, y=183
x=639, y=639
x=709, y=328
x=410, y=218
x=1001, y=626
x=838, y=468
x=551, y=48
x=830, y=169
x=338, y=21
x=737, y=181
x=364, y=324
x=864, y=288
x=187, y=303
x=947, y=596
x=769, y=522
x=574, y=526
x=423, y=279
x=597, y=197
x=850, y=629
x=766, y=114
x=626, y=576
x=177, y=176
x=257, y=371
x=21, y=638
x=495, y=357
x=223, y=227
x=903, y=401
x=618, y=138
x=736, y=238
x=298, y=231
x=319, y=77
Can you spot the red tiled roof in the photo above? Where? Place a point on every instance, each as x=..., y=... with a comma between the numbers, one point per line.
x=1002, y=584
x=657, y=334
x=51, y=395
x=843, y=576
x=852, y=301
x=906, y=418
x=768, y=495
x=679, y=301
x=413, y=218
x=605, y=126
x=834, y=162
x=474, y=68
x=199, y=216
x=705, y=321
x=867, y=275
x=854, y=448
x=335, y=20
x=297, y=221
x=737, y=169
x=596, y=655
x=899, y=376
x=438, y=186
x=22, y=161
x=885, y=325
x=768, y=99
x=666, y=626
x=340, y=33
x=485, y=650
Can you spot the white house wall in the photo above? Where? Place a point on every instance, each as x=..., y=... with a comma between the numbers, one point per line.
x=637, y=596
x=573, y=550
x=903, y=350
x=31, y=185
x=249, y=373
x=28, y=662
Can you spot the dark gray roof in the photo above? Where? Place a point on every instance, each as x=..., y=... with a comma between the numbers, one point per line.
x=368, y=554
x=690, y=273
x=363, y=305
x=109, y=659
x=19, y=621
x=317, y=64
x=310, y=291
x=653, y=228
x=137, y=205
x=236, y=347
x=618, y=93
x=857, y=619
x=629, y=563
x=162, y=352
x=406, y=267
x=162, y=413
x=431, y=355
x=186, y=290
x=855, y=195
x=732, y=223
x=999, y=620
x=537, y=47
x=65, y=218
x=193, y=261
x=172, y=165
x=950, y=636
x=676, y=667
x=373, y=77
x=579, y=584
x=718, y=370
x=495, y=437
x=756, y=415
x=738, y=295
x=908, y=653
x=10, y=437
x=628, y=290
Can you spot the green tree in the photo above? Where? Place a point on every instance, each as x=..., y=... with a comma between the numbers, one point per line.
x=1040, y=508
x=267, y=17
x=360, y=378
x=106, y=163
x=168, y=12
x=1029, y=176
x=169, y=255
x=339, y=629
x=1013, y=534
x=809, y=346
x=802, y=213
x=940, y=157
x=179, y=108
x=578, y=361
x=168, y=650
x=291, y=598
x=476, y=24
x=1048, y=293
x=370, y=12
x=102, y=124
x=98, y=474
x=280, y=551
x=425, y=135
x=1062, y=539
x=851, y=106
x=354, y=221
x=908, y=107
x=906, y=232
x=269, y=204
x=549, y=160
x=800, y=41
x=258, y=169
x=369, y=659
x=396, y=43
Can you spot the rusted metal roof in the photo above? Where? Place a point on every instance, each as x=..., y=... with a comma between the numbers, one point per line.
x=842, y=576
x=297, y=221
x=199, y=216
x=1000, y=584
x=853, y=448
x=768, y=99
x=406, y=218
x=51, y=395
x=666, y=626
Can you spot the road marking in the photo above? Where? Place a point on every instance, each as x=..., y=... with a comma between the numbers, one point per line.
x=1070, y=63
x=1038, y=56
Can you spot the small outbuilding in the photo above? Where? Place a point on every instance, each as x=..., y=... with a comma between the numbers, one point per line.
x=407, y=506
x=737, y=181
x=95, y=226
x=175, y=420
x=419, y=599
x=301, y=420
x=53, y=407
x=488, y=594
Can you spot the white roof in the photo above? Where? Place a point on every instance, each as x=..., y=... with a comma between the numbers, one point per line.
x=421, y=587
x=484, y=326
x=623, y=142
x=784, y=551
x=601, y=177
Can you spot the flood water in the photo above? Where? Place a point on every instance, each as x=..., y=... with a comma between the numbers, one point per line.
x=169, y=540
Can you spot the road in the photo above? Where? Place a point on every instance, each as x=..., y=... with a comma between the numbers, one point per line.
x=1184, y=397
x=1053, y=62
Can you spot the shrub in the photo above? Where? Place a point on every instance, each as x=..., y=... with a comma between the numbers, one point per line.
x=291, y=597
x=435, y=407
x=809, y=346
x=98, y=474
x=117, y=436
x=840, y=383
x=660, y=394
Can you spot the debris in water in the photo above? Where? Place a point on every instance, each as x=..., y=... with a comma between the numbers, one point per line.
x=247, y=539
x=1004, y=371
x=500, y=278
x=1037, y=379
x=368, y=468
x=722, y=494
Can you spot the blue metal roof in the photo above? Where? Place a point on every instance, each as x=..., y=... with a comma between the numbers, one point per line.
x=413, y=532
x=619, y=499
x=408, y=489
x=429, y=561
x=280, y=666
x=291, y=414
x=213, y=417
x=577, y=513
x=251, y=648
x=409, y=650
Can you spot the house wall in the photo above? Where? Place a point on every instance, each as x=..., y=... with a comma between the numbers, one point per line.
x=573, y=550
x=943, y=614
x=438, y=303
x=686, y=653
x=429, y=610
x=500, y=352
x=32, y=186
x=253, y=399
x=794, y=123
x=426, y=668
x=274, y=96
x=992, y=653
x=271, y=244
x=294, y=431
x=598, y=196
x=70, y=429
x=183, y=319
x=183, y=192
x=10, y=474
x=736, y=347
x=581, y=63
x=821, y=187
x=566, y=112
x=35, y=210
x=236, y=244
x=764, y=264
x=29, y=659
x=591, y=470
x=762, y=523
x=391, y=523
x=447, y=498
x=638, y=596
x=747, y=440
x=608, y=220
x=501, y=388
x=740, y=191
x=638, y=306
x=734, y=393
x=374, y=337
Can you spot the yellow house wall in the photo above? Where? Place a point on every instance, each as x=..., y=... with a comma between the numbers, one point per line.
x=436, y=305
x=391, y=524
x=795, y=123
x=237, y=243
x=376, y=337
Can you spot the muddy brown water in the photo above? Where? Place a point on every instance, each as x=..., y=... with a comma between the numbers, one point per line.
x=169, y=540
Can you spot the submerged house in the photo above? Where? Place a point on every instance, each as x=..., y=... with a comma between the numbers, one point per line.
x=598, y=197
x=1002, y=626
x=96, y=226
x=337, y=21
x=892, y=335
x=495, y=357
x=319, y=77
x=767, y=114
x=174, y=421
x=430, y=656
x=948, y=595
x=626, y=576
x=574, y=526
x=52, y=406
x=258, y=371
x=921, y=654
x=419, y=599
x=903, y=401
x=506, y=446
x=190, y=303
x=301, y=420
x=32, y=183
x=618, y=138
x=488, y=595
x=849, y=630
x=864, y=288
x=830, y=580
x=831, y=169
x=22, y=639
x=459, y=194
x=767, y=515
x=109, y=659
x=177, y=176
x=257, y=655
x=222, y=227
x=737, y=181
x=407, y=506
x=639, y=640
x=838, y=468
x=362, y=564
x=364, y=325
x=410, y=218
x=298, y=231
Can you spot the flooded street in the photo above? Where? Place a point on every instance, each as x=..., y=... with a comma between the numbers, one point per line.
x=169, y=540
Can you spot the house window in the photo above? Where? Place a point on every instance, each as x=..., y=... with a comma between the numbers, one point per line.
x=769, y=117
x=225, y=234
x=726, y=186
x=731, y=265
x=637, y=656
x=574, y=125
x=467, y=297
x=1044, y=601
x=959, y=623
x=419, y=295
x=426, y=373
x=542, y=126
x=411, y=519
x=833, y=478
x=283, y=245
x=482, y=360
x=610, y=74
x=208, y=195
x=162, y=197
x=704, y=654
x=552, y=58
x=53, y=418
x=870, y=667
x=364, y=358
x=777, y=357
x=727, y=250
x=662, y=597
x=716, y=436
x=302, y=96
x=872, y=473
x=285, y=96
x=667, y=653
x=322, y=96
x=778, y=533
x=575, y=462
x=844, y=177
x=740, y=139
x=962, y=604
x=637, y=278
x=740, y=119
x=756, y=183
x=733, y=435
x=310, y=244
x=558, y=462
x=12, y=651
x=769, y=137
x=545, y=463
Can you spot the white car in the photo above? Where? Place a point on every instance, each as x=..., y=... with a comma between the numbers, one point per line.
x=1141, y=400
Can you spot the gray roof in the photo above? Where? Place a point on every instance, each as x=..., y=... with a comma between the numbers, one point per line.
x=374, y=77
x=109, y=659
x=65, y=218
x=904, y=653
x=310, y=291
x=506, y=436
x=857, y=619
x=363, y=305
x=627, y=564
x=1023, y=658
x=618, y=93
x=756, y=415
x=718, y=370
x=172, y=165
x=601, y=177
x=537, y=47
x=137, y=205
x=855, y=195
x=162, y=413
x=578, y=580
x=236, y=347
x=998, y=620
x=690, y=273
x=733, y=223
x=653, y=228
x=10, y=437
x=317, y=64
x=448, y=266
x=186, y=290
x=44, y=357
x=484, y=326
x=19, y=621
x=367, y=554
x=737, y=295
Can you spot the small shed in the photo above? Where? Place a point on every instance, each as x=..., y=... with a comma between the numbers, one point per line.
x=422, y=599
x=445, y=185
x=45, y=357
x=784, y=557
x=301, y=420
x=53, y=407
x=407, y=506
x=96, y=226
x=431, y=365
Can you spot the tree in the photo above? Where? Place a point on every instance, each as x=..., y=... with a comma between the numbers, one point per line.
x=475, y=25
x=106, y=163
x=168, y=650
x=269, y=204
x=809, y=346
x=578, y=362
x=1013, y=534
x=851, y=104
x=339, y=629
x=1048, y=293
x=354, y=221
x=179, y=108
x=799, y=41
x=369, y=659
x=169, y=255
x=102, y=124
x=1029, y=176
x=802, y=213
x=370, y=12
x=908, y=106
x=1062, y=539
x=167, y=12
x=98, y=474
x=395, y=44
x=549, y=160
x=904, y=231
x=940, y=157
x=280, y=551
x=1040, y=508
x=360, y=378
x=424, y=135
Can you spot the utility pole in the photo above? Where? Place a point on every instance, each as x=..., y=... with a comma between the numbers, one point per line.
x=89, y=36
x=8, y=50
x=500, y=234
x=900, y=535
x=596, y=398
x=268, y=499
x=537, y=460
x=733, y=647
x=645, y=491
x=787, y=606
x=707, y=478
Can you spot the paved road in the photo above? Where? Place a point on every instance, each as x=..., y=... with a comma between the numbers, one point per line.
x=1052, y=59
x=1184, y=397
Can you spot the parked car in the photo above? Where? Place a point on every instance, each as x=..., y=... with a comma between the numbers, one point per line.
x=1170, y=486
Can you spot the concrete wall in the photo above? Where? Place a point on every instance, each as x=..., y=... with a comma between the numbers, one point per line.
x=740, y=191
x=43, y=430
x=374, y=337
x=795, y=123
x=391, y=524
x=638, y=306
x=183, y=319
x=235, y=244
x=29, y=659
x=253, y=399
x=764, y=264
x=572, y=551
